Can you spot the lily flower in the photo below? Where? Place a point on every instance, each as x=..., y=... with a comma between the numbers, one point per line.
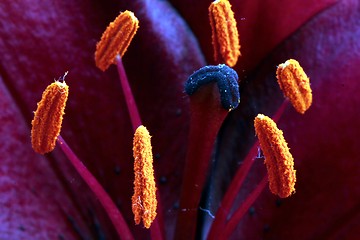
x=44, y=197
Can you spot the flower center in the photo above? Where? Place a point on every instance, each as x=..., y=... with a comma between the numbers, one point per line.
x=209, y=105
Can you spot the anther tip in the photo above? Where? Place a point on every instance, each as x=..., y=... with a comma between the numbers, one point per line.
x=116, y=39
x=295, y=85
x=225, y=36
x=278, y=159
x=46, y=124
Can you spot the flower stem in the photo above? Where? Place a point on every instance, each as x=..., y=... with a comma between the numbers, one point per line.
x=235, y=185
x=109, y=206
x=157, y=226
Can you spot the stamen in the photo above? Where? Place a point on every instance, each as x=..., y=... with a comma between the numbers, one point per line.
x=144, y=201
x=225, y=37
x=48, y=117
x=234, y=188
x=156, y=229
x=116, y=39
x=295, y=84
x=278, y=159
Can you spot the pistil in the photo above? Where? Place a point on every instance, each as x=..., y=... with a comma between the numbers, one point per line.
x=214, y=91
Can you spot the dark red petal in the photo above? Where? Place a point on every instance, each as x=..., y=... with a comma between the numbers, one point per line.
x=163, y=55
x=46, y=40
x=324, y=141
x=36, y=201
x=262, y=24
x=40, y=41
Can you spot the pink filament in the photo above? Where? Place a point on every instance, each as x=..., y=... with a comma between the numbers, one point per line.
x=105, y=200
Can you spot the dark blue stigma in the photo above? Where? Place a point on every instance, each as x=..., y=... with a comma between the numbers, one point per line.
x=226, y=79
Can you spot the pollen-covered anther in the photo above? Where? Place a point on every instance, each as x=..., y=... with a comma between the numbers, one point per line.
x=225, y=37
x=48, y=117
x=278, y=159
x=295, y=84
x=144, y=201
x=116, y=39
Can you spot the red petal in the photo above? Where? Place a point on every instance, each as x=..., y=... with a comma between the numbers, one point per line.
x=50, y=38
x=324, y=141
x=36, y=200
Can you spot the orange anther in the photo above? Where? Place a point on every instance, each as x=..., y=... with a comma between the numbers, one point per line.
x=144, y=201
x=48, y=117
x=278, y=159
x=225, y=37
x=295, y=84
x=116, y=39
